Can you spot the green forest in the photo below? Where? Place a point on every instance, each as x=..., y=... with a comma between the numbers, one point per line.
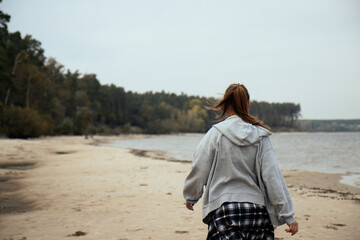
x=39, y=96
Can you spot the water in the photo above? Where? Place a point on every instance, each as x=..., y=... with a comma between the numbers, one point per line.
x=180, y=147
x=320, y=152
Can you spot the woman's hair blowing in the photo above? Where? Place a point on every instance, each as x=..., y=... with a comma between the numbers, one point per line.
x=237, y=98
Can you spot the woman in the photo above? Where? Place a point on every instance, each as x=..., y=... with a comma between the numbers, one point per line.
x=245, y=192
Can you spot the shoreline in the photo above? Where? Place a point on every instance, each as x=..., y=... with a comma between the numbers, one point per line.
x=325, y=184
x=342, y=178
x=328, y=182
x=75, y=186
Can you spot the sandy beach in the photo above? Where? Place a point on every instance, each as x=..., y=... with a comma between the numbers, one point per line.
x=70, y=187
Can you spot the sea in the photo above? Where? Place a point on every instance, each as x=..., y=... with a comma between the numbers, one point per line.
x=325, y=152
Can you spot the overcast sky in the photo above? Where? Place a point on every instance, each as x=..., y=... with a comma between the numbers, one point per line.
x=299, y=51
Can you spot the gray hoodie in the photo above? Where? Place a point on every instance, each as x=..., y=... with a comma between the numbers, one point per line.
x=235, y=162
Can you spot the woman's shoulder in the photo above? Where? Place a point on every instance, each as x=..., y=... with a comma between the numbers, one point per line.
x=213, y=131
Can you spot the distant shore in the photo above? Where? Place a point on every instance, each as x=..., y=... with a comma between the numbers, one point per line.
x=55, y=187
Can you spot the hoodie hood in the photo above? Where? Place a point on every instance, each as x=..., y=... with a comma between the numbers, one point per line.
x=241, y=133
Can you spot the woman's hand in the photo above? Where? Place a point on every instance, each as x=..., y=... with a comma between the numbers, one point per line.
x=293, y=228
x=190, y=206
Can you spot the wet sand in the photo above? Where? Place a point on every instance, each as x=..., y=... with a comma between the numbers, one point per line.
x=69, y=187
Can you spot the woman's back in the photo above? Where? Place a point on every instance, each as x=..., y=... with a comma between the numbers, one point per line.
x=227, y=158
x=236, y=162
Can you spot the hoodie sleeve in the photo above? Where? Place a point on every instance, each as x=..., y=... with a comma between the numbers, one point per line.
x=201, y=165
x=276, y=189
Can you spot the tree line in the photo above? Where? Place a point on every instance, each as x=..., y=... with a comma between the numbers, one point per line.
x=339, y=125
x=38, y=96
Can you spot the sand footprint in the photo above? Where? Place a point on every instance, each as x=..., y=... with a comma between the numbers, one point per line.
x=334, y=226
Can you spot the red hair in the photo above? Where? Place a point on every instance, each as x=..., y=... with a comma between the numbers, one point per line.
x=237, y=98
